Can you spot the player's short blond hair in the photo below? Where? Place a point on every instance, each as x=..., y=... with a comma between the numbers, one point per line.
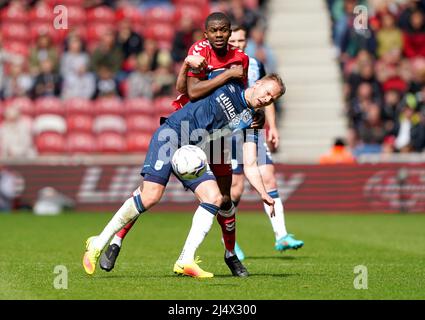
x=275, y=77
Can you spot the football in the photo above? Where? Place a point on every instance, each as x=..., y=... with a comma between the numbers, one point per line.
x=189, y=162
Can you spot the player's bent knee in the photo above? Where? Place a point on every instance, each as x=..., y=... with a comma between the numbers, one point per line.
x=215, y=198
x=151, y=197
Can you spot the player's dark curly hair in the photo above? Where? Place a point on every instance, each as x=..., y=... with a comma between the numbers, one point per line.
x=217, y=16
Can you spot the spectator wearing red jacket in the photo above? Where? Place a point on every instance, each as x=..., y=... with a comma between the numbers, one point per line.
x=414, y=37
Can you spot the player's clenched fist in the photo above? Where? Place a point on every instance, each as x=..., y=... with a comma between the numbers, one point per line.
x=196, y=62
x=236, y=72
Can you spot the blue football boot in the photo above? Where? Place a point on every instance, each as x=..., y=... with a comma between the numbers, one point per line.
x=239, y=252
x=288, y=242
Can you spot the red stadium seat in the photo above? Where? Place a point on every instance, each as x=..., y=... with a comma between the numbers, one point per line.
x=159, y=14
x=15, y=14
x=49, y=123
x=79, y=106
x=139, y=106
x=138, y=141
x=15, y=32
x=111, y=142
x=252, y=4
x=200, y=3
x=101, y=14
x=41, y=28
x=42, y=13
x=51, y=105
x=25, y=104
x=95, y=31
x=79, y=123
x=50, y=142
x=164, y=104
x=197, y=14
x=130, y=13
x=68, y=3
x=78, y=142
x=109, y=105
x=141, y=123
x=17, y=47
x=109, y=123
x=76, y=16
x=165, y=45
x=161, y=32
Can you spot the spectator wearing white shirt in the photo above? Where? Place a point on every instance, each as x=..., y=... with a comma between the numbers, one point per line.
x=15, y=135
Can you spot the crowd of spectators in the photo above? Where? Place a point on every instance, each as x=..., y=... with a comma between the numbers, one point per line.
x=383, y=67
x=120, y=50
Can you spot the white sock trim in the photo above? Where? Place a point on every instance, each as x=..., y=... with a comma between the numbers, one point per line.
x=124, y=215
x=201, y=224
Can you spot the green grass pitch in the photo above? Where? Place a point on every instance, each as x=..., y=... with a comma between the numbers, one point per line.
x=392, y=247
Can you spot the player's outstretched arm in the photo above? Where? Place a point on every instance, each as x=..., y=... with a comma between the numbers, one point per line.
x=253, y=175
x=273, y=135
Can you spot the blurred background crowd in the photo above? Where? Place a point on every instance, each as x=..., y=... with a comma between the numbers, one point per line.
x=383, y=69
x=101, y=84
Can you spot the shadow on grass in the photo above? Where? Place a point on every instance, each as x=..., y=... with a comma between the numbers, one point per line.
x=253, y=275
x=276, y=257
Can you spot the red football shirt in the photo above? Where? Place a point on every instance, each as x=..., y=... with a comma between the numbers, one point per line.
x=233, y=57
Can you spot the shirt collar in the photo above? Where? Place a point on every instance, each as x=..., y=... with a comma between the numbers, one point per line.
x=246, y=103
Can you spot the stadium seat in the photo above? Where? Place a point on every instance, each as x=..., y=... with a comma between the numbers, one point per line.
x=77, y=142
x=165, y=45
x=17, y=47
x=50, y=142
x=139, y=106
x=49, y=123
x=159, y=14
x=79, y=123
x=109, y=123
x=141, y=123
x=200, y=3
x=130, y=13
x=71, y=3
x=25, y=104
x=51, y=105
x=102, y=14
x=79, y=106
x=15, y=32
x=76, y=16
x=251, y=4
x=15, y=14
x=163, y=32
x=111, y=142
x=95, y=31
x=193, y=11
x=40, y=28
x=164, y=104
x=42, y=13
x=109, y=105
x=138, y=141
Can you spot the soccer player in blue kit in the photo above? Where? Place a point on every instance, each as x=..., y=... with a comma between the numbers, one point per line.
x=283, y=239
x=229, y=108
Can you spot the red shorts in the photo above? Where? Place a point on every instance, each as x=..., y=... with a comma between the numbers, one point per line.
x=221, y=170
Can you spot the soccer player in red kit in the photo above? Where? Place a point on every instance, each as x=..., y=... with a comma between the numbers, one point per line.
x=214, y=53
